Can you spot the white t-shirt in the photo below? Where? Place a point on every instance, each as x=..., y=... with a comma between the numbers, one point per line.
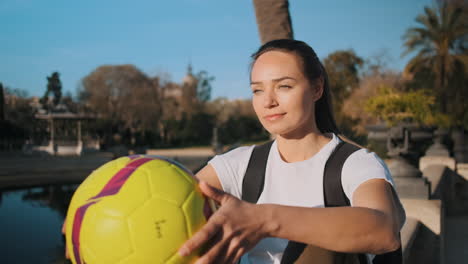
x=294, y=184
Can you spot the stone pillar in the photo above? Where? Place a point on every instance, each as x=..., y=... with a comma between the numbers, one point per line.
x=52, y=134
x=437, y=158
x=438, y=149
x=79, y=147
x=460, y=147
x=79, y=131
x=52, y=143
x=407, y=178
x=435, y=164
x=217, y=148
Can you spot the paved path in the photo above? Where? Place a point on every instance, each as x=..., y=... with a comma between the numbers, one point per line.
x=193, y=152
x=20, y=171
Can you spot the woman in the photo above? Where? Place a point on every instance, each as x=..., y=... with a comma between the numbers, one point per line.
x=292, y=101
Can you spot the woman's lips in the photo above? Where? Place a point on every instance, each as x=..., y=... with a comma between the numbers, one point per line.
x=274, y=117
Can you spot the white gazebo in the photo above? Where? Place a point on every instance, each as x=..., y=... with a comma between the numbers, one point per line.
x=54, y=146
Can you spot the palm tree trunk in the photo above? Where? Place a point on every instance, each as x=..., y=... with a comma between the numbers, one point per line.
x=443, y=85
x=2, y=103
x=273, y=19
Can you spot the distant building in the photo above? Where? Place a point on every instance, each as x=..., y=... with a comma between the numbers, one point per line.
x=181, y=98
x=187, y=89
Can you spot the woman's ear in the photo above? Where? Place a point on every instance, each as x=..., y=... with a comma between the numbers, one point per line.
x=317, y=88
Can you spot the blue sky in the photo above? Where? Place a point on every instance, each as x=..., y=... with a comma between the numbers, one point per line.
x=75, y=37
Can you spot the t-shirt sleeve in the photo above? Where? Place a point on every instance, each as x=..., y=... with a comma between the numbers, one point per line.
x=360, y=167
x=230, y=168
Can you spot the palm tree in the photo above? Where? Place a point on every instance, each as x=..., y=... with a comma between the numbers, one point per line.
x=273, y=19
x=2, y=103
x=441, y=46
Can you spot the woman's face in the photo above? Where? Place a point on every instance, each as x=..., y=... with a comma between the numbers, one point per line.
x=283, y=98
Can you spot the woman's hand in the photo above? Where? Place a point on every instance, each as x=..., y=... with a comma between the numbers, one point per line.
x=64, y=228
x=234, y=229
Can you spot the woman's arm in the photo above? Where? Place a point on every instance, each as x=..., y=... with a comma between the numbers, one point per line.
x=372, y=225
x=208, y=175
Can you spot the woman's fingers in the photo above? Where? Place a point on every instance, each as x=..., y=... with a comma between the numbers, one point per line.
x=199, y=238
x=235, y=250
x=212, y=192
x=64, y=228
x=216, y=253
x=225, y=235
x=238, y=255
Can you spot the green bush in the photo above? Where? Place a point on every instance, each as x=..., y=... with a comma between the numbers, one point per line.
x=394, y=106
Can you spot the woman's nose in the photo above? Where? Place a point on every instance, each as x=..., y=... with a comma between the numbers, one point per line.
x=269, y=99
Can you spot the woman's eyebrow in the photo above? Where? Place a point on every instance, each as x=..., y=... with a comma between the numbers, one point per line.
x=276, y=80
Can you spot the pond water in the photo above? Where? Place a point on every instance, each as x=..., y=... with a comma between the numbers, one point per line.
x=31, y=221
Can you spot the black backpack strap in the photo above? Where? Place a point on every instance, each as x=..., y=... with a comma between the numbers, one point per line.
x=394, y=257
x=292, y=252
x=336, y=197
x=254, y=180
x=332, y=188
x=332, y=183
x=333, y=192
x=252, y=188
x=254, y=177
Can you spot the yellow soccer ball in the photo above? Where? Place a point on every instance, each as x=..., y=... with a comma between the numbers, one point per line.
x=136, y=209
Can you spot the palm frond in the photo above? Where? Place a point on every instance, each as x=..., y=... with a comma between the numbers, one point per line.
x=432, y=18
x=440, y=43
x=416, y=38
x=417, y=63
x=454, y=18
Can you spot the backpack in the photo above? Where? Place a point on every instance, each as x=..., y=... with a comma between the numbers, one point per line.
x=252, y=187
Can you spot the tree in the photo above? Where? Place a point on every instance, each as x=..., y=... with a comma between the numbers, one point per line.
x=171, y=111
x=368, y=87
x=54, y=86
x=236, y=120
x=393, y=107
x=343, y=77
x=441, y=45
x=125, y=97
x=273, y=20
x=17, y=125
x=196, y=91
x=204, y=86
x=343, y=74
x=242, y=128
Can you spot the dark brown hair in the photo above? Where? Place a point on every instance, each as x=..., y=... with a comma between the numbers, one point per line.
x=312, y=69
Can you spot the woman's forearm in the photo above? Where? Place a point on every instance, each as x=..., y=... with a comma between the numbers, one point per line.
x=342, y=229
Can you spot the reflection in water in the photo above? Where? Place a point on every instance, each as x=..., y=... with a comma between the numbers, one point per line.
x=31, y=221
x=56, y=197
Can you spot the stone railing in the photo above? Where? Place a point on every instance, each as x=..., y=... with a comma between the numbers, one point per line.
x=425, y=192
x=423, y=235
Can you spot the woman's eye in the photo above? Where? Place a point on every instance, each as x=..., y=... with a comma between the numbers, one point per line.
x=256, y=91
x=285, y=86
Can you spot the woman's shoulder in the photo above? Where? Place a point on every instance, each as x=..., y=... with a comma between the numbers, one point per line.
x=235, y=159
x=230, y=168
x=364, y=157
x=361, y=157
x=361, y=166
x=238, y=152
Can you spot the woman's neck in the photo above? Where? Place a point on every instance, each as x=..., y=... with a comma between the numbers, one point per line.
x=302, y=148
